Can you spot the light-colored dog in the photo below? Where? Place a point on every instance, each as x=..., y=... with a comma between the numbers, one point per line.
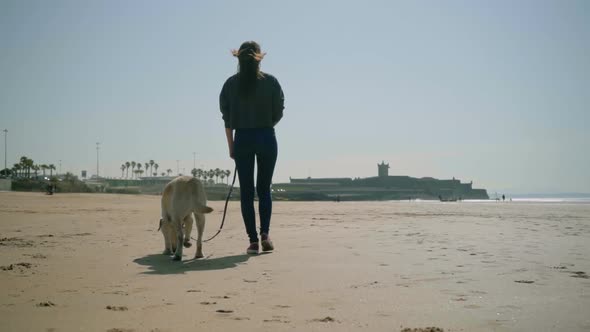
x=182, y=197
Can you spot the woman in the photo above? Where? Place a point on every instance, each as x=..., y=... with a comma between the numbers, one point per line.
x=252, y=103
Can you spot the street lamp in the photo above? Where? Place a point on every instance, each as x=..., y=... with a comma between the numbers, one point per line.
x=5, y=135
x=97, y=148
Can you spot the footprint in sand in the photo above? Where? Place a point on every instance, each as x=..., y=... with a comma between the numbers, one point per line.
x=579, y=274
x=38, y=256
x=423, y=329
x=15, y=242
x=472, y=306
x=46, y=304
x=20, y=267
x=326, y=319
x=208, y=303
x=224, y=311
x=116, y=329
x=276, y=320
x=524, y=281
x=116, y=308
x=282, y=306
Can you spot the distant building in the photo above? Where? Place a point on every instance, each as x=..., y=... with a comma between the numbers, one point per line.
x=383, y=169
x=381, y=187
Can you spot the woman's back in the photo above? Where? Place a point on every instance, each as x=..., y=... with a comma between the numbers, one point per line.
x=261, y=107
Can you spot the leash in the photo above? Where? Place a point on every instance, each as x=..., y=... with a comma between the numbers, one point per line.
x=224, y=208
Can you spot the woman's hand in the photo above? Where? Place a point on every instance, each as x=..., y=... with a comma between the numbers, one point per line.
x=231, y=150
x=229, y=134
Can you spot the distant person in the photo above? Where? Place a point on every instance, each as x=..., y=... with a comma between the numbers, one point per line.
x=503, y=197
x=252, y=103
x=50, y=189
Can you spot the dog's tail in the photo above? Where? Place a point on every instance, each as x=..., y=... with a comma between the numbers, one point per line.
x=160, y=227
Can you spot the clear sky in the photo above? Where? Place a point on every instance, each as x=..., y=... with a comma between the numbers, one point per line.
x=494, y=92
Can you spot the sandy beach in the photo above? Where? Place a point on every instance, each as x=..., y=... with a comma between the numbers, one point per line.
x=92, y=262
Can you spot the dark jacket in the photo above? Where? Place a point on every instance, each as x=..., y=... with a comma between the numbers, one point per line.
x=262, y=109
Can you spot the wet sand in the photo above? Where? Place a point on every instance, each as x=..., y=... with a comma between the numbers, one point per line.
x=93, y=262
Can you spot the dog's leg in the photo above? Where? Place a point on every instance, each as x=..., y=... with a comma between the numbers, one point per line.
x=171, y=238
x=177, y=224
x=165, y=228
x=188, y=228
x=200, y=221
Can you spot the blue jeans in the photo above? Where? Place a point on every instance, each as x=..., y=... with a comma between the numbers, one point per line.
x=259, y=144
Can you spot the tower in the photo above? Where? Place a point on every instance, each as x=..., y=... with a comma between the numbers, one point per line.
x=383, y=169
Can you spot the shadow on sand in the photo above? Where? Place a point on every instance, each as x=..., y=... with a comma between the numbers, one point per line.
x=162, y=264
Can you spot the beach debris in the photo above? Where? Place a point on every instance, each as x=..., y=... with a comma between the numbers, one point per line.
x=423, y=329
x=580, y=274
x=247, y=280
x=326, y=319
x=524, y=281
x=193, y=291
x=116, y=308
x=46, y=304
x=365, y=285
x=208, y=303
x=223, y=311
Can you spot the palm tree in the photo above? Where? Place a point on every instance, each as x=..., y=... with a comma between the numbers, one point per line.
x=217, y=173
x=123, y=170
x=194, y=172
x=139, y=168
x=156, y=167
x=23, y=164
x=147, y=165
x=132, y=168
x=51, y=169
x=127, y=165
x=36, y=169
x=152, y=163
x=227, y=173
x=168, y=171
x=26, y=165
x=44, y=168
x=211, y=174
x=16, y=168
x=163, y=173
x=222, y=175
